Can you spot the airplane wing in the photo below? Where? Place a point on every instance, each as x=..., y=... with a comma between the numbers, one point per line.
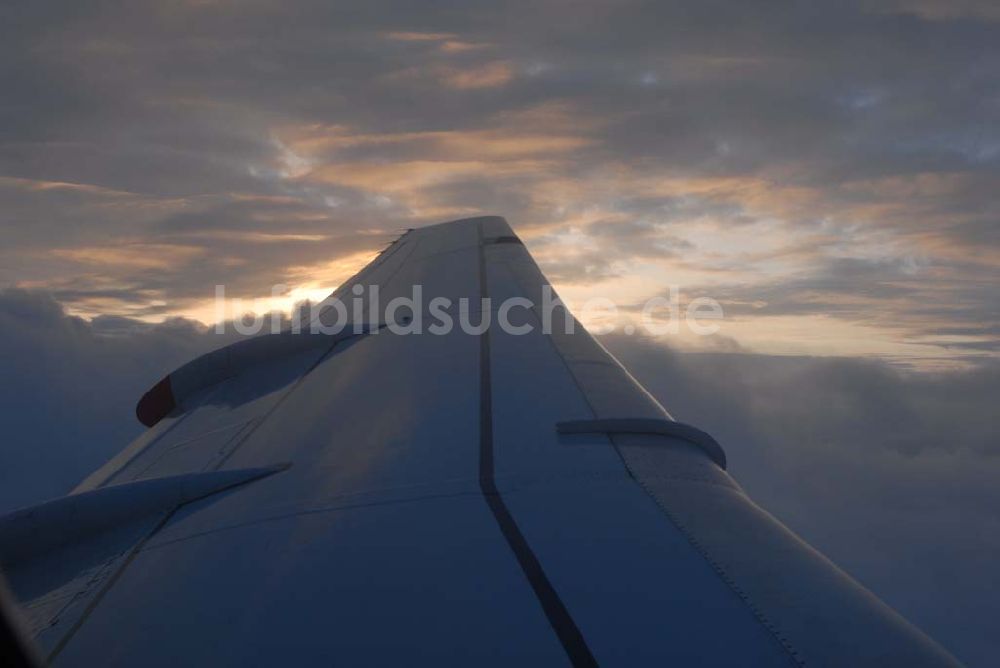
x=373, y=496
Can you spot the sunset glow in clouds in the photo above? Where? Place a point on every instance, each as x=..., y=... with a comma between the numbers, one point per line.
x=828, y=174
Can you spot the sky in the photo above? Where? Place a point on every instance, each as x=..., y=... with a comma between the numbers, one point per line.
x=826, y=171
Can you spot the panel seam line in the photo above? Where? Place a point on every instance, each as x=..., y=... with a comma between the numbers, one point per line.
x=562, y=623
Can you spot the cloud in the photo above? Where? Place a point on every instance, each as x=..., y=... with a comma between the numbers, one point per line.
x=70, y=388
x=71, y=385
x=937, y=10
x=487, y=75
x=849, y=132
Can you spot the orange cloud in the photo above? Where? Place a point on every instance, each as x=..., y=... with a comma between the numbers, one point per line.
x=405, y=36
x=132, y=255
x=490, y=75
x=405, y=177
x=37, y=185
x=458, y=46
x=448, y=42
x=445, y=145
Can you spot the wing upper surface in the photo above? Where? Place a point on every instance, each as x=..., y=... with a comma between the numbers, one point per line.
x=433, y=513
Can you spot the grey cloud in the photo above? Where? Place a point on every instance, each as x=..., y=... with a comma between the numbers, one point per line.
x=179, y=102
x=636, y=238
x=71, y=385
x=69, y=391
x=922, y=300
x=612, y=241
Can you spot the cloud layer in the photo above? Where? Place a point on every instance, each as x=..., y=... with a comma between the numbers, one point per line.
x=827, y=170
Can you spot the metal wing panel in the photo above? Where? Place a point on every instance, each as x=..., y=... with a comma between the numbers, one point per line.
x=204, y=436
x=424, y=582
x=365, y=423
x=432, y=512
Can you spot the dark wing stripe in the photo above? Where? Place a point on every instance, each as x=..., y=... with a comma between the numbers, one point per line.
x=562, y=623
